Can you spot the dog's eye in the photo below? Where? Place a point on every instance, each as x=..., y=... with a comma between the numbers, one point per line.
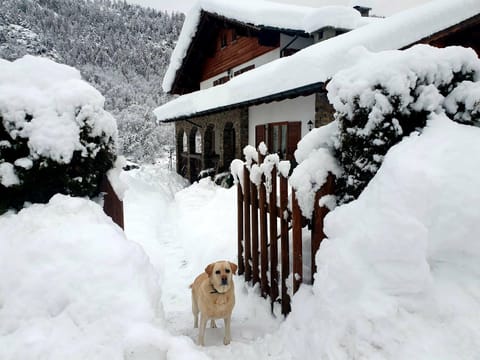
x=217, y=272
x=227, y=271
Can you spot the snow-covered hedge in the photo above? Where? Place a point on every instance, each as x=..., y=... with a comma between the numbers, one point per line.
x=55, y=136
x=389, y=95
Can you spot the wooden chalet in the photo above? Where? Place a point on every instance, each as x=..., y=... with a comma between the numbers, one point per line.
x=216, y=117
x=225, y=46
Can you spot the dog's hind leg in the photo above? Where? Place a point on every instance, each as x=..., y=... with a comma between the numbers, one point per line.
x=213, y=325
x=195, y=312
x=201, y=330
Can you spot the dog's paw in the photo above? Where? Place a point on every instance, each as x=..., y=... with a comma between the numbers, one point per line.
x=226, y=341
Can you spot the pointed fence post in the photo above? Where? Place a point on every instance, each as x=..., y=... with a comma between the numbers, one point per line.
x=241, y=265
x=297, y=243
x=263, y=239
x=284, y=243
x=112, y=205
x=273, y=238
x=254, y=201
x=246, y=210
x=318, y=218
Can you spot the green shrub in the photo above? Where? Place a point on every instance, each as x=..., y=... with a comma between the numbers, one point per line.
x=389, y=96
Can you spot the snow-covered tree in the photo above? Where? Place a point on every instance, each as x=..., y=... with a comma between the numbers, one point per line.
x=55, y=136
x=391, y=94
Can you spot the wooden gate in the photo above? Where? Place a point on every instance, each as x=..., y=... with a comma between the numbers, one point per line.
x=270, y=233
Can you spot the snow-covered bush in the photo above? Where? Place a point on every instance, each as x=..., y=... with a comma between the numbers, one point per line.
x=315, y=157
x=389, y=95
x=55, y=136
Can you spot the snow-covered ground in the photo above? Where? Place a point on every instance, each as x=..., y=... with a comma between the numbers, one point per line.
x=398, y=277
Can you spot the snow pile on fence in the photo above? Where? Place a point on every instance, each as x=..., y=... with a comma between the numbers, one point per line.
x=398, y=275
x=72, y=286
x=316, y=160
x=269, y=163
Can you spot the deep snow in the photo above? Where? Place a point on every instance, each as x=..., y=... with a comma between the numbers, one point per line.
x=398, y=276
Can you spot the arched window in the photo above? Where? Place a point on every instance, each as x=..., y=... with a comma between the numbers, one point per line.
x=228, y=144
x=185, y=142
x=198, y=142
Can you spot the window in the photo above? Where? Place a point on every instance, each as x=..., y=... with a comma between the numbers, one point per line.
x=278, y=139
x=198, y=142
x=221, y=80
x=281, y=138
x=223, y=40
x=185, y=142
x=245, y=69
x=234, y=35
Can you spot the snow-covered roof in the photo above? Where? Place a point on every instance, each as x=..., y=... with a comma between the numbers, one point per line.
x=319, y=62
x=262, y=14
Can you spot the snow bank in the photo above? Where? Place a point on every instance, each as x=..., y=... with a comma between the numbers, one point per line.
x=59, y=103
x=72, y=286
x=398, y=275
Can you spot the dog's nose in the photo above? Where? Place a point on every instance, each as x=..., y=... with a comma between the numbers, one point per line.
x=224, y=280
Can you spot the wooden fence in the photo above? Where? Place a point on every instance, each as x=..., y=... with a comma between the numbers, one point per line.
x=264, y=230
x=112, y=205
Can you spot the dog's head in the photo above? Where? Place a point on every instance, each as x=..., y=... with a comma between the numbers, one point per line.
x=220, y=275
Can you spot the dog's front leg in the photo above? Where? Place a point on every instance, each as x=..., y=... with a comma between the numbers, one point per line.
x=201, y=330
x=228, y=335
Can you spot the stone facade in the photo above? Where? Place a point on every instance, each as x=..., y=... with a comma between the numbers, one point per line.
x=213, y=141
x=220, y=138
x=323, y=110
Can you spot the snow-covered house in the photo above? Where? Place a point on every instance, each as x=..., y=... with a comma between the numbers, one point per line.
x=281, y=98
x=221, y=40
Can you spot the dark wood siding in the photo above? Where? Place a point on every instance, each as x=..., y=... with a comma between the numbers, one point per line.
x=235, y=53
x=260, y=135
x=294, y=134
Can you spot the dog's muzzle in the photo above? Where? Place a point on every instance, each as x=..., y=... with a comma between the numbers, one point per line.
x=224, y=281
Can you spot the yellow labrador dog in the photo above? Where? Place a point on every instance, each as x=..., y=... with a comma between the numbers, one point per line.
x=213, y=296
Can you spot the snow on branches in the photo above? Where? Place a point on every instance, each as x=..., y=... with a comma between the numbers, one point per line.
x=391, y=94
x=55, y=135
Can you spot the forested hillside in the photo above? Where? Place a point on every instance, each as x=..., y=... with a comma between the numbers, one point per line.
x=121, y=49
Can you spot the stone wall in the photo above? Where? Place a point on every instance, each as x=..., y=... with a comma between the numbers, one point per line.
x=323, y=110
x=233, y=123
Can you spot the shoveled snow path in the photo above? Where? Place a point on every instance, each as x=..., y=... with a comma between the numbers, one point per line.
x=182, y=230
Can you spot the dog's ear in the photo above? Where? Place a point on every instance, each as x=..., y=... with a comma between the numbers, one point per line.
x=209, y=269
x=234, y=267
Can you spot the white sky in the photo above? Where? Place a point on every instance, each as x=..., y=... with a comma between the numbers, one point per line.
x=380, y=7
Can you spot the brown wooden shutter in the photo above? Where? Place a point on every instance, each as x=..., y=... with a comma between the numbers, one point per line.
x=294, y=132
x=259, y=135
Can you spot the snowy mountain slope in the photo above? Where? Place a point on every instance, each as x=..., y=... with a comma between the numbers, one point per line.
x=122, y=50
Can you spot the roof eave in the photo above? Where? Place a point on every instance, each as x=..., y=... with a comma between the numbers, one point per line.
x=306, y=90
